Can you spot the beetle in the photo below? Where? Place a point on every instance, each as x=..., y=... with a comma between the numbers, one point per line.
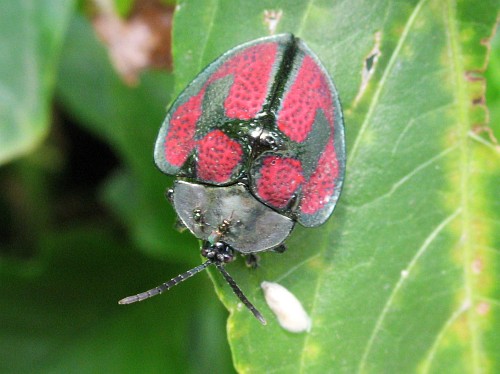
x=256, y=142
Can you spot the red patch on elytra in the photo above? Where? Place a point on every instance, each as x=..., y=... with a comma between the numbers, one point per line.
x=218, y=156
x=179, y=141
x=279, y=179
x=251, y=71
x=321, y=186
x=309, y=92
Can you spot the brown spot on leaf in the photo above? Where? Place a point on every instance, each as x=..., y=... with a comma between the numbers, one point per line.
x=477, y=266
x=483, y=308
x=479, y=129
x=369, y=65
x=473, y=76
x=479, y=100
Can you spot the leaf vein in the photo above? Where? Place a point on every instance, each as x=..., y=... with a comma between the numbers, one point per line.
x=381, y=85
x=296, y=267
x=410, y=124
x=378, y=325
x=446, y=325
x=304, y=17
x=395, y=186
x=215, y=9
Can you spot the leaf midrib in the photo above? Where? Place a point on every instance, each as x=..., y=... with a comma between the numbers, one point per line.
x=463, y=210
x=463, y=121
x=462, y=105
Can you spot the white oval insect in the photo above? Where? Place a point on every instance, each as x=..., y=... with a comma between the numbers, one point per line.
x=287, y=308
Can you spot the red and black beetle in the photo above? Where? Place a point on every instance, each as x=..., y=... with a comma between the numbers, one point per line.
x=257, y=143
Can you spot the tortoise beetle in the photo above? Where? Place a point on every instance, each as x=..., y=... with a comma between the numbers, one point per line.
x=256, y=142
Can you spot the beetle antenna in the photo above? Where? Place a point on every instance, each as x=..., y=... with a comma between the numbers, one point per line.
x=166, y=286
x=240, y=294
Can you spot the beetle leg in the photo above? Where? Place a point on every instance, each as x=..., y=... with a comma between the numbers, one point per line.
x=280, y=248
x=252, y=261
x=169, y=194
x=179, y=225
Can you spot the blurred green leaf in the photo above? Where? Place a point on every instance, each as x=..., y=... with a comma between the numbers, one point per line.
x=404, y=277
x=60, y=312
x=31, y=36
x=128, y=119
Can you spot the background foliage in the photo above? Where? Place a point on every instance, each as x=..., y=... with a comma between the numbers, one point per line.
x=403, y=278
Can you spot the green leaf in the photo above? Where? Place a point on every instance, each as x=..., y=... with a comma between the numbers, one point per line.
x=60, y=312
x=31, y=35
x=404, y=276
x=128, y=119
